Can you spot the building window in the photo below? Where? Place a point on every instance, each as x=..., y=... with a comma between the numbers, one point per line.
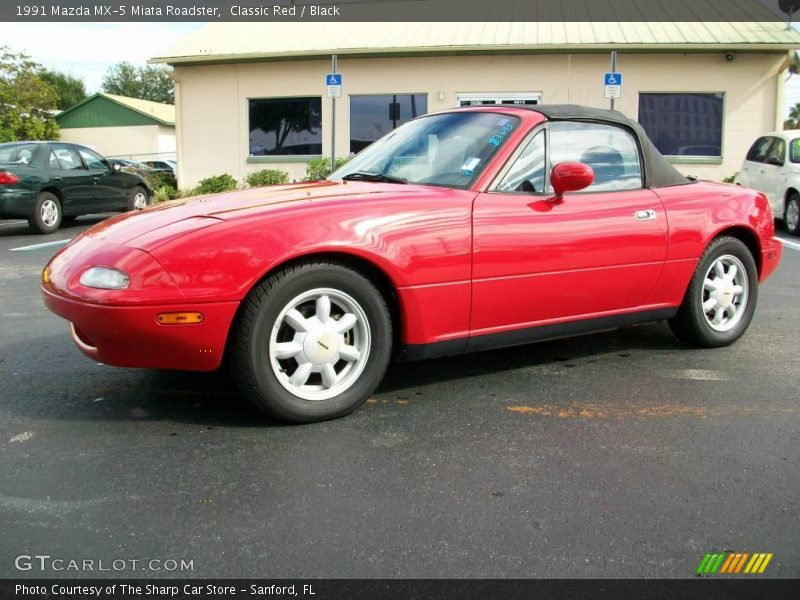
x=520, y=99
x=285, y=126
x=372, y=117
x=685, y=124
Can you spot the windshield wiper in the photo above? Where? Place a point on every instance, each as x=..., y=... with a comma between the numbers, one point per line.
x=370, y=176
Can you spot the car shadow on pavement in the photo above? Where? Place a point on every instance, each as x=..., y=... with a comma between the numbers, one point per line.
x=15, y=228
x=568, y=351
x=93, y=392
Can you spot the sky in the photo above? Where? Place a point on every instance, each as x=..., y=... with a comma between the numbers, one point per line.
x=86, y=50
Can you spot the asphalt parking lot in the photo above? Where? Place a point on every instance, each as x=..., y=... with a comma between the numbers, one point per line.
x=622, y=454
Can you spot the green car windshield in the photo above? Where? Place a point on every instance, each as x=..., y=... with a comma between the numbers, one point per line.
x=450, y=150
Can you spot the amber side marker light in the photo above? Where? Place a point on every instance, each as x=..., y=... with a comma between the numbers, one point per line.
x=180, y=318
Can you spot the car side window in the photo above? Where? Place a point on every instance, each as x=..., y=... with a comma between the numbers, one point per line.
x=794, y=150
x=611, y=151
x=92, y=159
x=777, y=152
x=527, y=172
x=68, y=159
x=758, y=151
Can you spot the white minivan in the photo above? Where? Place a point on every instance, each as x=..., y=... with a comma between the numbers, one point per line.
x=772, y=166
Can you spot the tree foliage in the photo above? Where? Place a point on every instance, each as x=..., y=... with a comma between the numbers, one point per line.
x=69, y=90
x=146, y=83
x=27, y=102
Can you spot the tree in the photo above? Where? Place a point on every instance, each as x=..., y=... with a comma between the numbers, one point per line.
x=793, y=122
x=69, y=90
x=146, y=83
x=27, y=102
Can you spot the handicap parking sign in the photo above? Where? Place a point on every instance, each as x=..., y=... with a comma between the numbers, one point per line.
x=333, y=83
x=612, y=82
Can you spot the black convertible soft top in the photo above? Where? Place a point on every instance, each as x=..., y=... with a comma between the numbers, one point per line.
x=658, y=172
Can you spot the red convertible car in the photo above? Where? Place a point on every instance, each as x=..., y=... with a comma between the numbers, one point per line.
x=462, y=230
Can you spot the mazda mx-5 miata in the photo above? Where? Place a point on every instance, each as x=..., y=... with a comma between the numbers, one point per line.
x=462, y=230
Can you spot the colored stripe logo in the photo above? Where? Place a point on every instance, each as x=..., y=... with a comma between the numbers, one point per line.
x=734, y=563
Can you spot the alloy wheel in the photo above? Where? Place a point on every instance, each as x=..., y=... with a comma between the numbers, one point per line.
x=319, y=344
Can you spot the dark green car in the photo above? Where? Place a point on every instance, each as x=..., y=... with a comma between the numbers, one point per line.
x=49, y=183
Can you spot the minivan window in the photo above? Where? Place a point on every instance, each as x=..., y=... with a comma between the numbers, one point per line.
x=758, y=151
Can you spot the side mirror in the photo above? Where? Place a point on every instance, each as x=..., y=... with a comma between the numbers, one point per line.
x=115, y=166
x=570, y=177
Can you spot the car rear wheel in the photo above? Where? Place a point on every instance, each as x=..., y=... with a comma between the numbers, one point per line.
x=312, y=342
x=721, y=299
x=138, y=199
x=791, y=215
x=47, y=214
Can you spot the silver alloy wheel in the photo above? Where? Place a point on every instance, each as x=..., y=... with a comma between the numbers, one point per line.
x=792, y=215
x=725, y=293
x=139, y=201
x=49, y=213
x=319, y=344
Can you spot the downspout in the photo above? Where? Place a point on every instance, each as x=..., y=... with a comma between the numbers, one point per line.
x=178, y=128
x=792, y=64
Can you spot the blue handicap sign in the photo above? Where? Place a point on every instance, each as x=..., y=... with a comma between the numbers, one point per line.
x=333, y=79
x=612, y=79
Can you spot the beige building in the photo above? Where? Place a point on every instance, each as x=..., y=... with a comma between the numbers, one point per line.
x=121, y=127
x=252, y=96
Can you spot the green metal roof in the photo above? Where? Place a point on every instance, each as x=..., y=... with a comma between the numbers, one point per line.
x=226, y=42
x=109, y=110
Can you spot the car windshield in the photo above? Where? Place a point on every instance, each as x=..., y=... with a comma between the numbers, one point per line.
x=450, y=150
x=18, y=154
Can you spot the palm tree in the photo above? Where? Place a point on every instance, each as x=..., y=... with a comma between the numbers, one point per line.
x=793, y=122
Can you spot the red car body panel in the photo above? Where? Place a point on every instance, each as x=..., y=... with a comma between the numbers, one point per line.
x=464, y=264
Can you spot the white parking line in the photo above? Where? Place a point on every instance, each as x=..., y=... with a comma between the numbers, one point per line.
x=789, y=243
x=43, y=245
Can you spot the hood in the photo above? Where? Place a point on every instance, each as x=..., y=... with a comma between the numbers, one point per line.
x=180, y=216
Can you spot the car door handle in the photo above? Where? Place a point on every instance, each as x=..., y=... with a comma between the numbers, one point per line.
x=58, y=178
x=763, y=171
x=645, y=215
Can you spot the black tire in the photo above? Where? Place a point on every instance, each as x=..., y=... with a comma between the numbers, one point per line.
x=791, y=214
x=135, y=194
x=49, y=222
x=250, y=361
x=691, y=324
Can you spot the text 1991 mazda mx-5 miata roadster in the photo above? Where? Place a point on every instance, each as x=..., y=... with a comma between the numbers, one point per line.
x=451, y=234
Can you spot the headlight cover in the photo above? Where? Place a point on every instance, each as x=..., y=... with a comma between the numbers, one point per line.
x=105, y=278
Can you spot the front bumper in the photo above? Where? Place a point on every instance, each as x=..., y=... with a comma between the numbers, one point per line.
x=771, y=251
x=130, y=336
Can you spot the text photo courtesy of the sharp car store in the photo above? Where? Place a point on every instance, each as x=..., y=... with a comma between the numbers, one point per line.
x=267, y=213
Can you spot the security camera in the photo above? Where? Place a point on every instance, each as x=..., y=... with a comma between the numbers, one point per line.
x=730, y=56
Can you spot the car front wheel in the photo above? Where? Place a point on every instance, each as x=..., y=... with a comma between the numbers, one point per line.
x=47, y=213
x=312, y=342
x=722, y=295
x=791, y=215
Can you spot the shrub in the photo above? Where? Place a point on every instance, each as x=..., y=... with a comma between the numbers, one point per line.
x=320, y=168
x=267, y=177
x=730, y=178
x=158, y=179
x=164, y=193
x=216, y=184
